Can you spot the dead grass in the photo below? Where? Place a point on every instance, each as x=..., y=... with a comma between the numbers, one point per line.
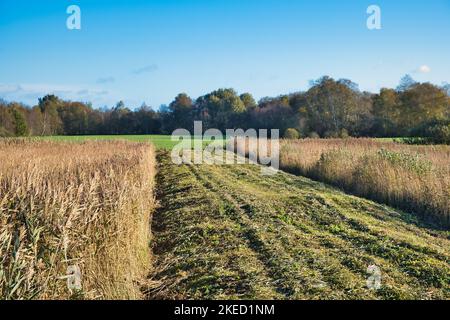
x=413, y=178
x=74, y=205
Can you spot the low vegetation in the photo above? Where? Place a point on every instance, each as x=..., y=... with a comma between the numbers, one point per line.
x=226, y=232
x=74, y=206
x=410, y=177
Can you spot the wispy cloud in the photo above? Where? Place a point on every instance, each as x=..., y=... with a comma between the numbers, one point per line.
x=106, y=80
x=9, y=88
x=86, y=92
x=29, y=93
x=146, y=69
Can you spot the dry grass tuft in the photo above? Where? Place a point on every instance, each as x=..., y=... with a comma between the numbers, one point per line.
x=413, y=178
x=74, y=205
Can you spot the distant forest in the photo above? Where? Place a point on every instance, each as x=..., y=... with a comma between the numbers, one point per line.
x=329, y=108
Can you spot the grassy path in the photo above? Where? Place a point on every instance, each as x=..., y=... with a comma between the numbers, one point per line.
x=226, y=232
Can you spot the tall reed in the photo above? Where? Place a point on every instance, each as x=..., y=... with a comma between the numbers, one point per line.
x=413, y=178
x=69, y=207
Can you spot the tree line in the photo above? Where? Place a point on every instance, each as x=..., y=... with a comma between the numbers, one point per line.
x=329, y=108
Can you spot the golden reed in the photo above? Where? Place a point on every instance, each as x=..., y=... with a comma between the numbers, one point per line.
x=413, y=178
x=74, y=206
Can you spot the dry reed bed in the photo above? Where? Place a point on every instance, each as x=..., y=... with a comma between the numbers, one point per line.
x=413, y=178
x=65, y=206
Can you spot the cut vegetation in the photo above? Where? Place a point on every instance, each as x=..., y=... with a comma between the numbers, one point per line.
x=225, y=232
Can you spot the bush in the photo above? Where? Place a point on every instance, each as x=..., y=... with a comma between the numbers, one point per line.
x=440, y=134
x=313, y=135
x=414, y=163
x=344, y=134
x=331, y=134
x=291, y=133
x=434, y=132
x=5, y=133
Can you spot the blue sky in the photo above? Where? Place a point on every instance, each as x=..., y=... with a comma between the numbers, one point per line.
x=151, y=50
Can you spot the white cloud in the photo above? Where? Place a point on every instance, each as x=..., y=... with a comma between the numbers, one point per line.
x=423, y=69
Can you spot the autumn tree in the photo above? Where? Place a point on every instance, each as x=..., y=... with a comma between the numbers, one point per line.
x=248, y=101
x=147, y=121
x=51, y=122
x=273, y=113
x=74, y=117
x=329, y=108
x=181, y=113
x=422, y=103
x=332, y=106
x=387, y=111
x=7, y=127
x=221, y=109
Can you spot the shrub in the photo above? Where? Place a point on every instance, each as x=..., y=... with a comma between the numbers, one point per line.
x=405, y=160
x=291, y=133
x=440, y=134
x=434, y=132
x=344, y=134
x=330, y=134
x=5, y=133
x=313, y=135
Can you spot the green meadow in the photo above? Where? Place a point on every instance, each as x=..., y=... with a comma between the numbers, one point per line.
x=163, y=142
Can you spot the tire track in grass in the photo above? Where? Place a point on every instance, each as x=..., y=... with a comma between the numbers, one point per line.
x=228, y=232
x=305, y=271
x=198, y=249
x=362, y=215
x=404, y=262
x=275, y=261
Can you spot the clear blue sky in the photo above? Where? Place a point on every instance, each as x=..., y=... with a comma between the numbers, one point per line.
x=151, y=50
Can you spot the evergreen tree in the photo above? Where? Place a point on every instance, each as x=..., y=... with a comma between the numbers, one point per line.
x=21, y=128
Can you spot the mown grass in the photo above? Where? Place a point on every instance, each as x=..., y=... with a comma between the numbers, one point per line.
x=410, y=177
x=226, y=232
x=67, y=206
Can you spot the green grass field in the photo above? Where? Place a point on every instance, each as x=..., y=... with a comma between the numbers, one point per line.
x=159, y=141
x=163, y=142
